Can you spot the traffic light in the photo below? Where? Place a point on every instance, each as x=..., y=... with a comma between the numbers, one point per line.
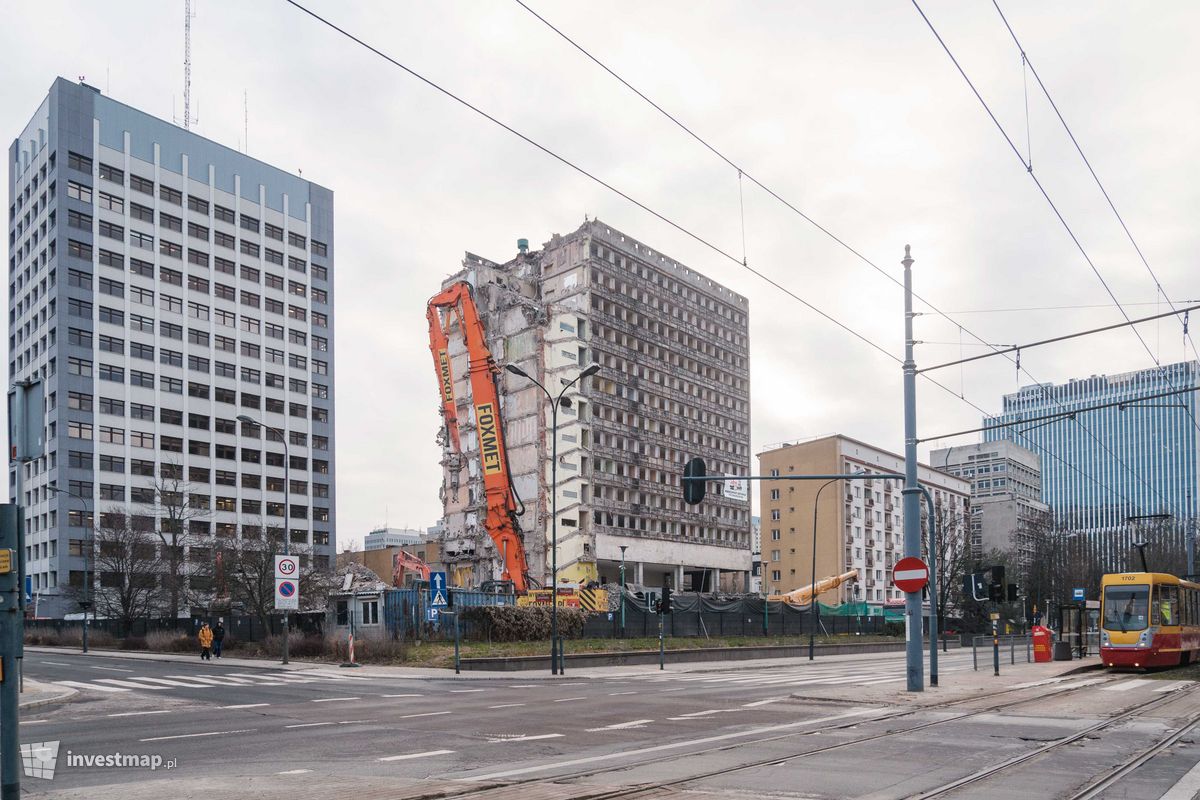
x=665, y=603
x=996, y=588
x=975, y=587
x=693, y=490
x=1012, y=593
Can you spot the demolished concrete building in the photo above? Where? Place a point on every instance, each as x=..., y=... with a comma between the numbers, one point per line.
x=674, y=383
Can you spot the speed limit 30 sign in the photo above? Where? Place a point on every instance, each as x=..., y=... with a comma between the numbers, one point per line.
x=287, y=567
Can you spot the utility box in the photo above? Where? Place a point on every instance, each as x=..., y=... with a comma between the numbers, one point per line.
x=1043, y=639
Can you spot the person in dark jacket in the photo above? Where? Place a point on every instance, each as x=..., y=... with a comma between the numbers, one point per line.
x=218, y=636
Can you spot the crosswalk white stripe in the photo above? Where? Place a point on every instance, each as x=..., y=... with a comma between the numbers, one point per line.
x=129, y=684
x=169, y=682
x=82, y=685
x=218, y=681
x=1172, y=686
x=1125, y=686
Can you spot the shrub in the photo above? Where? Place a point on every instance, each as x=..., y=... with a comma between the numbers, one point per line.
x=172, y=642
x=524, y=623
x=133, y=643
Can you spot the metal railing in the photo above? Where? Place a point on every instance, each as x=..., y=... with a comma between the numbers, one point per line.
x=1011, y=640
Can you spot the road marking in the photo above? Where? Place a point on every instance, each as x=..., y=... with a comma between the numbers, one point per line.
x=33, y=721
x=618, y=694
x=194, y=735
x=569, y=699
x=294, y=772
x=128, y=684
x=353, y=721
x=507, y=705
x=139, y=713
x=81, y=685
x=209, y=681
x=576, y=683
x=758, y=703
x=704, y=713
x=426, y=714
x=168, y=682
x=334, y=699
x=1172, y=686
x=113, y=669
x=524, y=686
x=1125, y=686
x=858, y=712
x=680, y=689
x=637, y=723
x=308, y=725
x=525, y=739
x=401, y=695
x=1186, y=787
x=466, y=691
x=407, y=756
x=248, y=705
x=58, y=663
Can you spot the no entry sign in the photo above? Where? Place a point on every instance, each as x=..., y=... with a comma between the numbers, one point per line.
x=910, y=575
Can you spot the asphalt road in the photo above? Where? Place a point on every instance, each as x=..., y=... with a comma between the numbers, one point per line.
x=262, y=732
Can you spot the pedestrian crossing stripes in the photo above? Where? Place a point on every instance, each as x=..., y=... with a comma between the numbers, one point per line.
x=234, y=679
x=809, y=674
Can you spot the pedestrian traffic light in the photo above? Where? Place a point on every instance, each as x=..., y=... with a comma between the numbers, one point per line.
x=996, y=587
x=693, y=481
x=665, y=603
x=1013, y=591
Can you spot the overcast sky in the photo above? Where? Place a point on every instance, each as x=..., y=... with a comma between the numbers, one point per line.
x=850, y=110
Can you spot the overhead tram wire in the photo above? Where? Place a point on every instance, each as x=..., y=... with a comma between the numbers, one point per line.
x=1046, y=195
x=1079, y=149
x=570, y=164
x=742, y=172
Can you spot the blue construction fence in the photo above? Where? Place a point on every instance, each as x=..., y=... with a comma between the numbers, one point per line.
x=406, y=612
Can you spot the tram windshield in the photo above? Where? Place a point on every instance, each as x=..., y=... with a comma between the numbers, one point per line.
x=1126, y=608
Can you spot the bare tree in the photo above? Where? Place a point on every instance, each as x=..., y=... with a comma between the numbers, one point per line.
x=953, y=545
x=248, y=570
x=174, y=515
x=128, y=569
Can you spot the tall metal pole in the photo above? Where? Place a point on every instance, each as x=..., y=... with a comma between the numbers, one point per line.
x=86, y=602
x=287, y=534
x=914, y=634
x=933, y=595
x=11, y=636
x=812, y=632
x=1191, y=538
x=623, y=548
x=554, y=644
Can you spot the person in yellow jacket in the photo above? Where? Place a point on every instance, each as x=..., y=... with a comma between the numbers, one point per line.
x=206, y=640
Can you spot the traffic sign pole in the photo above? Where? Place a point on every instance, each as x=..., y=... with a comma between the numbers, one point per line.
x=11, y=636
x=911, y=499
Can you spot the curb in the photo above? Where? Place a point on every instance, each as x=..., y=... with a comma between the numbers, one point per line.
x=143, y=655
x=46, y=701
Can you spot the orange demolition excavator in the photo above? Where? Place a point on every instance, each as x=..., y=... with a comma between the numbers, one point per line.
x=502, y=501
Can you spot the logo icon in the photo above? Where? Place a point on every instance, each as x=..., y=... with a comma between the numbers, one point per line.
x=39, y=758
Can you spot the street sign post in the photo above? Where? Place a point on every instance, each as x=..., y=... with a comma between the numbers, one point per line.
x=437, y=589
x=287, y=594
x=910, y=575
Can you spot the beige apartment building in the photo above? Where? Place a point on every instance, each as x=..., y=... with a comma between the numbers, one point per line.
x=858, y=523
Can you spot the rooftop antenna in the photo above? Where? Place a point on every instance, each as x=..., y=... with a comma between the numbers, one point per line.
x=246, y=120
x=188, y=15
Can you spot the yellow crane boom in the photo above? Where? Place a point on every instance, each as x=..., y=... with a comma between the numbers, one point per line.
x=804, y=595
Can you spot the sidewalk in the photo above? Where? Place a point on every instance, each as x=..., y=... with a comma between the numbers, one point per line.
x=525, y=676
x=959, y=684
x=38, y=694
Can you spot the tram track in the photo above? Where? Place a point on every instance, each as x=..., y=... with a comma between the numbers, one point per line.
x=608, y=793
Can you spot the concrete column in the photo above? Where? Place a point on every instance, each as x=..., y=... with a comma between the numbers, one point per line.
x=678, y=579
x=639, y=573
x=716, y=580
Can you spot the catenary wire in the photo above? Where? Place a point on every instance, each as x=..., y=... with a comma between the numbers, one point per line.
x=742, y=172
x=1046, y=195
x=1079, y=149
x=568, y=163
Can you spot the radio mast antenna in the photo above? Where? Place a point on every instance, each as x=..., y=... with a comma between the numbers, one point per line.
x=188, y=14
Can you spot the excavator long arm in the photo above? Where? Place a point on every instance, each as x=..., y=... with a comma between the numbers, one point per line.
x=501, y=519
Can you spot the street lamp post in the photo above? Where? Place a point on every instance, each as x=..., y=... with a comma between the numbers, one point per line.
x=287, y=487
x=555, y=644
x=86, y=602
x=816, y=605
x=623, y=548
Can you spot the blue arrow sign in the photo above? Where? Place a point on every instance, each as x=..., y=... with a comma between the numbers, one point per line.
x=437, y=583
